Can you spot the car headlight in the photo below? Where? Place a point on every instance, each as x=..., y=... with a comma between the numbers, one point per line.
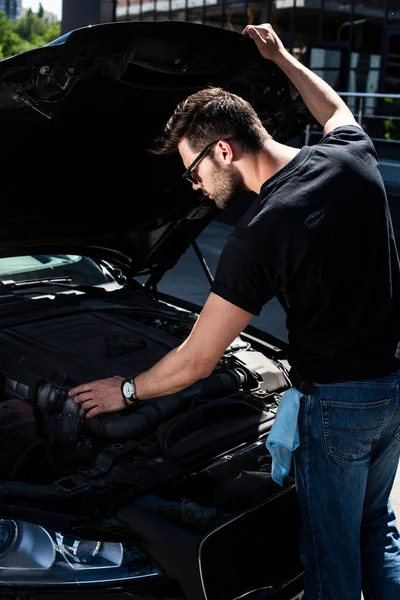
x=31, y=555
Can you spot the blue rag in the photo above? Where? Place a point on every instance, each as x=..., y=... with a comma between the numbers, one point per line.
x=284, y=438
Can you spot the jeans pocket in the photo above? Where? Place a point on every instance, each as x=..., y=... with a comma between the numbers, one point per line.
x=351, y=428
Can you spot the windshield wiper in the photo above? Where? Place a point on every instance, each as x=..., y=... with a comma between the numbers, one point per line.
x=10, y=284
x=66, y=282
x=63, y=282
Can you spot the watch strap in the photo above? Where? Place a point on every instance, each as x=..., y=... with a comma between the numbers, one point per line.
x=126, y=402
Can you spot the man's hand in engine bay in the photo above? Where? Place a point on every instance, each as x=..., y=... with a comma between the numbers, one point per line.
x=100, y=396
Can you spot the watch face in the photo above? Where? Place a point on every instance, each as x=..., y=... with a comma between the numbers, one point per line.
x=128, y=389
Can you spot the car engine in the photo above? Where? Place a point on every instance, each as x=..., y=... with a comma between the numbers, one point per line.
x=44, y=436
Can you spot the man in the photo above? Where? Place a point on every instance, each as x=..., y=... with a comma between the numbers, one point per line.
x=319, y=237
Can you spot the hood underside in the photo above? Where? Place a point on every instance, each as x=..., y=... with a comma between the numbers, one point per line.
x=78, y=117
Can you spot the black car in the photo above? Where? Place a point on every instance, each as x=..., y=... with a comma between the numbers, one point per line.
x=174, y=499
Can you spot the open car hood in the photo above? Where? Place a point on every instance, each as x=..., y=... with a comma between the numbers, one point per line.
x=78, y=116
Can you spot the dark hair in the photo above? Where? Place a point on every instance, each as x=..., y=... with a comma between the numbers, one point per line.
x=210, y=115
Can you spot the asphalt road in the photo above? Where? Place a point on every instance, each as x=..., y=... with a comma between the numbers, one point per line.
x=188, y=280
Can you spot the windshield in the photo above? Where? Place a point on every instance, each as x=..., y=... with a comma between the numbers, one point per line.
x=78, y=269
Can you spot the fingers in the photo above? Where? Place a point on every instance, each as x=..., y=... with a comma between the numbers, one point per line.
x=102, y=395
x=86, y=401
x=254, y=30
x=79, y=398
x=248, y=31
x=93, y=412
x=258, y=36
x=80, y=389
x=88, y=404
x=92, y=409
x=93, y=385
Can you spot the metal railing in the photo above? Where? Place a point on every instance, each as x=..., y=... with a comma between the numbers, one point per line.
x=370, y=112
x=364, y=113
x=363, y=95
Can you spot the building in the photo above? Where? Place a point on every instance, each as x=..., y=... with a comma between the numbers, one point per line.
x=47, y=16
x=355, y=44
x=50, y=17
x=352, y=44
x=78, y=13
x=11, y=8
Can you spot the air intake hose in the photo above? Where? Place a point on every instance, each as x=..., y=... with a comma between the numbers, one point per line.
x=136, y=424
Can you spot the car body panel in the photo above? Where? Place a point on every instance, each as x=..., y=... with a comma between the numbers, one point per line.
x=186, y=478
x=94, y=103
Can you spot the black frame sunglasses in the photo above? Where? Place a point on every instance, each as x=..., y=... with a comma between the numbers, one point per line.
x=193, y=177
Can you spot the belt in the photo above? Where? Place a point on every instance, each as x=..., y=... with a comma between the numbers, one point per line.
x=304, y=386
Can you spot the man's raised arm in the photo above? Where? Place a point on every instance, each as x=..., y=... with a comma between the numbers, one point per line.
x=323, y=102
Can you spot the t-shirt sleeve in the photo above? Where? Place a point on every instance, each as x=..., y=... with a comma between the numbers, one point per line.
x=242, y=277
x=346, y=135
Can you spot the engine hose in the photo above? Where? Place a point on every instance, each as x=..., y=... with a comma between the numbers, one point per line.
x=214, y=386
x=133, y=426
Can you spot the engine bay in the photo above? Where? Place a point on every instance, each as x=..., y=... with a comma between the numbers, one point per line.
x=51, y=451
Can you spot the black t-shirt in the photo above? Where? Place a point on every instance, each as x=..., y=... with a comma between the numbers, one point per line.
x=319, y=237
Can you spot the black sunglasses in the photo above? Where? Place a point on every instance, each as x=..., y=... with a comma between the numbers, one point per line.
x=193, y=177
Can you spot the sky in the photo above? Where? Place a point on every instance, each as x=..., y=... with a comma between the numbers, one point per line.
x=53, y=6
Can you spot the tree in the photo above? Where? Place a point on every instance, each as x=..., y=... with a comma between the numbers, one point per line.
x=26, y=33
x=10, y=42
x=41, y=11
x=392, y=126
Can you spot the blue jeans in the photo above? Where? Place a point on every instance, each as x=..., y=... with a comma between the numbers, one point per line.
x=345, y=467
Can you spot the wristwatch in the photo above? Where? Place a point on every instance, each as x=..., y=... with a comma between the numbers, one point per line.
x=128, y=392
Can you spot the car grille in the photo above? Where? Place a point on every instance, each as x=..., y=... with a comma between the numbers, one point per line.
x=259, y=549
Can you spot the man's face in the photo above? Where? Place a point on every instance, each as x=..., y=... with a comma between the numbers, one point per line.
x=215, y=174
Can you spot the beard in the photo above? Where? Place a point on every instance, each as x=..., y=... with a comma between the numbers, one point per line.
x=225, y=186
